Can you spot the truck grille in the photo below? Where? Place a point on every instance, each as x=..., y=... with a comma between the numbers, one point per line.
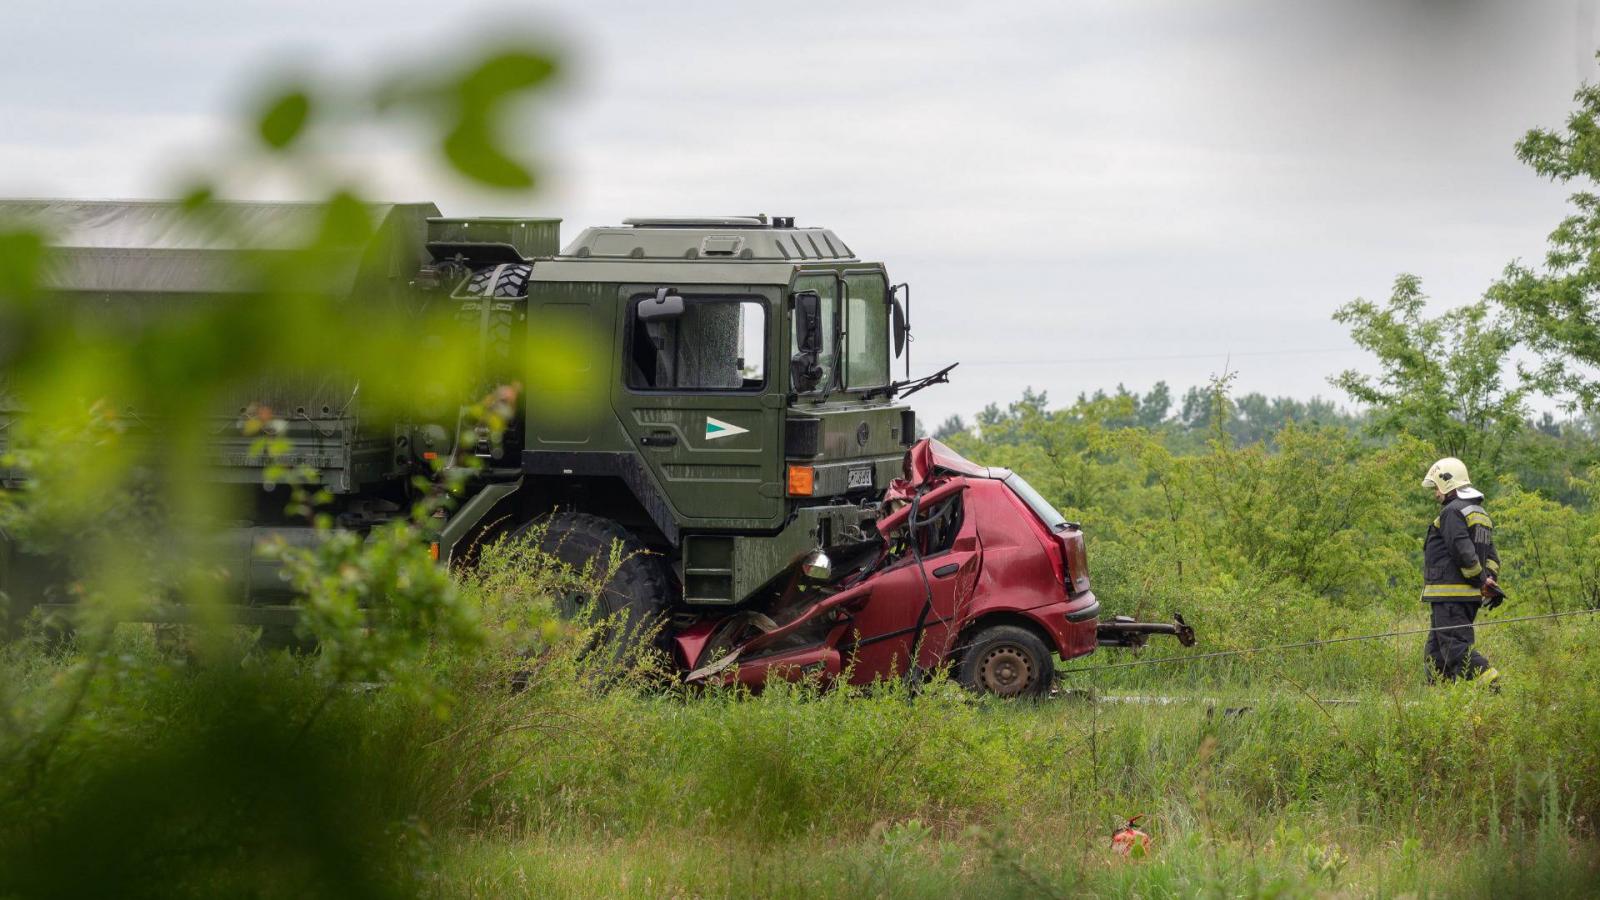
x=802, y=438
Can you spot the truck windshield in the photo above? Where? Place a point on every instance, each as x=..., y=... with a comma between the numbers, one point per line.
x=1052, y=518
x=866, y=326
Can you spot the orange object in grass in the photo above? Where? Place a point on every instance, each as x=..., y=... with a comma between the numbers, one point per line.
x=1129, y=842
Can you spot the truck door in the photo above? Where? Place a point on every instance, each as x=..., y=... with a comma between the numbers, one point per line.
x=702, y=402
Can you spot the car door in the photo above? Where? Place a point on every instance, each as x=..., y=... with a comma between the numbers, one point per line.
x=885, y=625
x=702, y=402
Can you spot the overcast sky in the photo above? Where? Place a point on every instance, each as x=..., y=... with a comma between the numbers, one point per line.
x=1081, y=194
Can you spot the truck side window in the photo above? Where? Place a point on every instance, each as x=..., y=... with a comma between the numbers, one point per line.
x=715, y=345
x=827, y=287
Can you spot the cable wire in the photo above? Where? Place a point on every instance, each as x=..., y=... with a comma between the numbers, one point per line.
x=1338, y=640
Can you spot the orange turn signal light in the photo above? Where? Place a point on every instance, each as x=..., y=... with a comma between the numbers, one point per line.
x=802, y=481
x=433, y=551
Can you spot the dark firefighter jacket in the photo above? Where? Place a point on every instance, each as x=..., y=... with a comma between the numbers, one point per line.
x=1458, y=552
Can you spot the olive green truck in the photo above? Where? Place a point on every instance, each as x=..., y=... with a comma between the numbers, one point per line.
x=723, y=395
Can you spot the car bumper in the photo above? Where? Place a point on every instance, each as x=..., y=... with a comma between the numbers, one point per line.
x=1072, y=624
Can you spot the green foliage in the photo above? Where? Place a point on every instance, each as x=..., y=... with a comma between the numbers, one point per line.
x=468, y=108
x=375, y=603
x=199, y=780
x=1552, y=306
x=1246, y=419
x=201, y=784
x=1552, y=550
x=1442, y=379
x=221, y=769
x=284, y=119
x=949, y=428
x=1318, y=516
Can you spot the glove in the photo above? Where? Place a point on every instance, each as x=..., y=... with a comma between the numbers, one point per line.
x=1492, y=595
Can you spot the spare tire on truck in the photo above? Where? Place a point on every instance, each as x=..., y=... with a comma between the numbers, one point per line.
x=631, y=596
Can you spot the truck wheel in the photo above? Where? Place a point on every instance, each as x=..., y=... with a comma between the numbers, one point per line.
x=1007, y=661
x=639, y=585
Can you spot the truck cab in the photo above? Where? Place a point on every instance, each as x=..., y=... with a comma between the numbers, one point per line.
x=719, y=386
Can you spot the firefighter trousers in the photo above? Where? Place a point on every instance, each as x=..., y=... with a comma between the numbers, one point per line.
x=1450, y=653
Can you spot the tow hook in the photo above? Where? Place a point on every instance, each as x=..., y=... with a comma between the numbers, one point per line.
x=1123, y=631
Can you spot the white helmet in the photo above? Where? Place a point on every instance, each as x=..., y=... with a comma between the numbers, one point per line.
x=1447, y=475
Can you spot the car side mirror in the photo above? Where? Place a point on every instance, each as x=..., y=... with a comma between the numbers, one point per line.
x=667, y=304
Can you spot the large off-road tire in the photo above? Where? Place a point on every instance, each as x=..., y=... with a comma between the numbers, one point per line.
x=509, y=282
x=1007, y=661
x=633, y=595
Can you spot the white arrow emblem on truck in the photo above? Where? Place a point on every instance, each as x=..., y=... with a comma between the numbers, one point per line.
x=716, y=428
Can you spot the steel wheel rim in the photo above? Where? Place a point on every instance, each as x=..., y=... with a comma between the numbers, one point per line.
x=1005, y=670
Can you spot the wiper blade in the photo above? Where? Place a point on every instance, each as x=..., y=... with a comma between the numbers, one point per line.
x=916, y=384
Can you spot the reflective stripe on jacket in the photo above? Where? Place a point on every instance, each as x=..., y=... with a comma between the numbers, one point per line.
x=1458, y=552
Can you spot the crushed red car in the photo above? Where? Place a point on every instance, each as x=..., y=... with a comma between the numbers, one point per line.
x=970, y=567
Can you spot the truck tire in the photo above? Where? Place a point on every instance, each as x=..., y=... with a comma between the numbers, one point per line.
x=1007, y=661
x=639, y=586
x=501, y=327
x=513, y=281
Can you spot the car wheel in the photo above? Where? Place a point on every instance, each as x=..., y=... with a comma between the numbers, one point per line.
x=1007, y=661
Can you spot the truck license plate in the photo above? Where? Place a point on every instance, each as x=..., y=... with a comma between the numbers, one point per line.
x=859, y=476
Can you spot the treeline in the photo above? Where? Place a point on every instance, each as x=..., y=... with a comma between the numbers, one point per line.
x=1246, y=419
x=1543, y=453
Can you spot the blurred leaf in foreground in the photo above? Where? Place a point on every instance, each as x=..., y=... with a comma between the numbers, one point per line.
x=284, y=119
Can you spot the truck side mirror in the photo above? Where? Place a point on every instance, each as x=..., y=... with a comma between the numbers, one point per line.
x=898, y=323
x=902, y=322
x=808, y=321
x=805, y=369
x=666, y=305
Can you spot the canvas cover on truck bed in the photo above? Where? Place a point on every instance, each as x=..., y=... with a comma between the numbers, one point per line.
x=153, y=247
x=134, y=261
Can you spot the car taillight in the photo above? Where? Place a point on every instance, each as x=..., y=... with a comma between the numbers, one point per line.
x=1076, y=556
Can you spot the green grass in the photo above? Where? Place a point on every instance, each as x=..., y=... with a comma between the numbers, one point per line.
x=581, y=785
x=1410, y=790
x=787, y=795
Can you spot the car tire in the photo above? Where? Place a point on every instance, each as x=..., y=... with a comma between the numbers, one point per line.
x=1007, y=661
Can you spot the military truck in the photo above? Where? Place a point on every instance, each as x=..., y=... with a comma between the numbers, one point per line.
x=713, y=394
x=732, y=408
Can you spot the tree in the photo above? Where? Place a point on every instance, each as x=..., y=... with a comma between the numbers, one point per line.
x=1006, y=426
x=1442, y=379
x=951, y=426
x=1204, y=407
x=1127, y=409
x=1557, y=310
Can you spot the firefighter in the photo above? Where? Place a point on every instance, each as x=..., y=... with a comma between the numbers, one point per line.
x=1460, y=569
